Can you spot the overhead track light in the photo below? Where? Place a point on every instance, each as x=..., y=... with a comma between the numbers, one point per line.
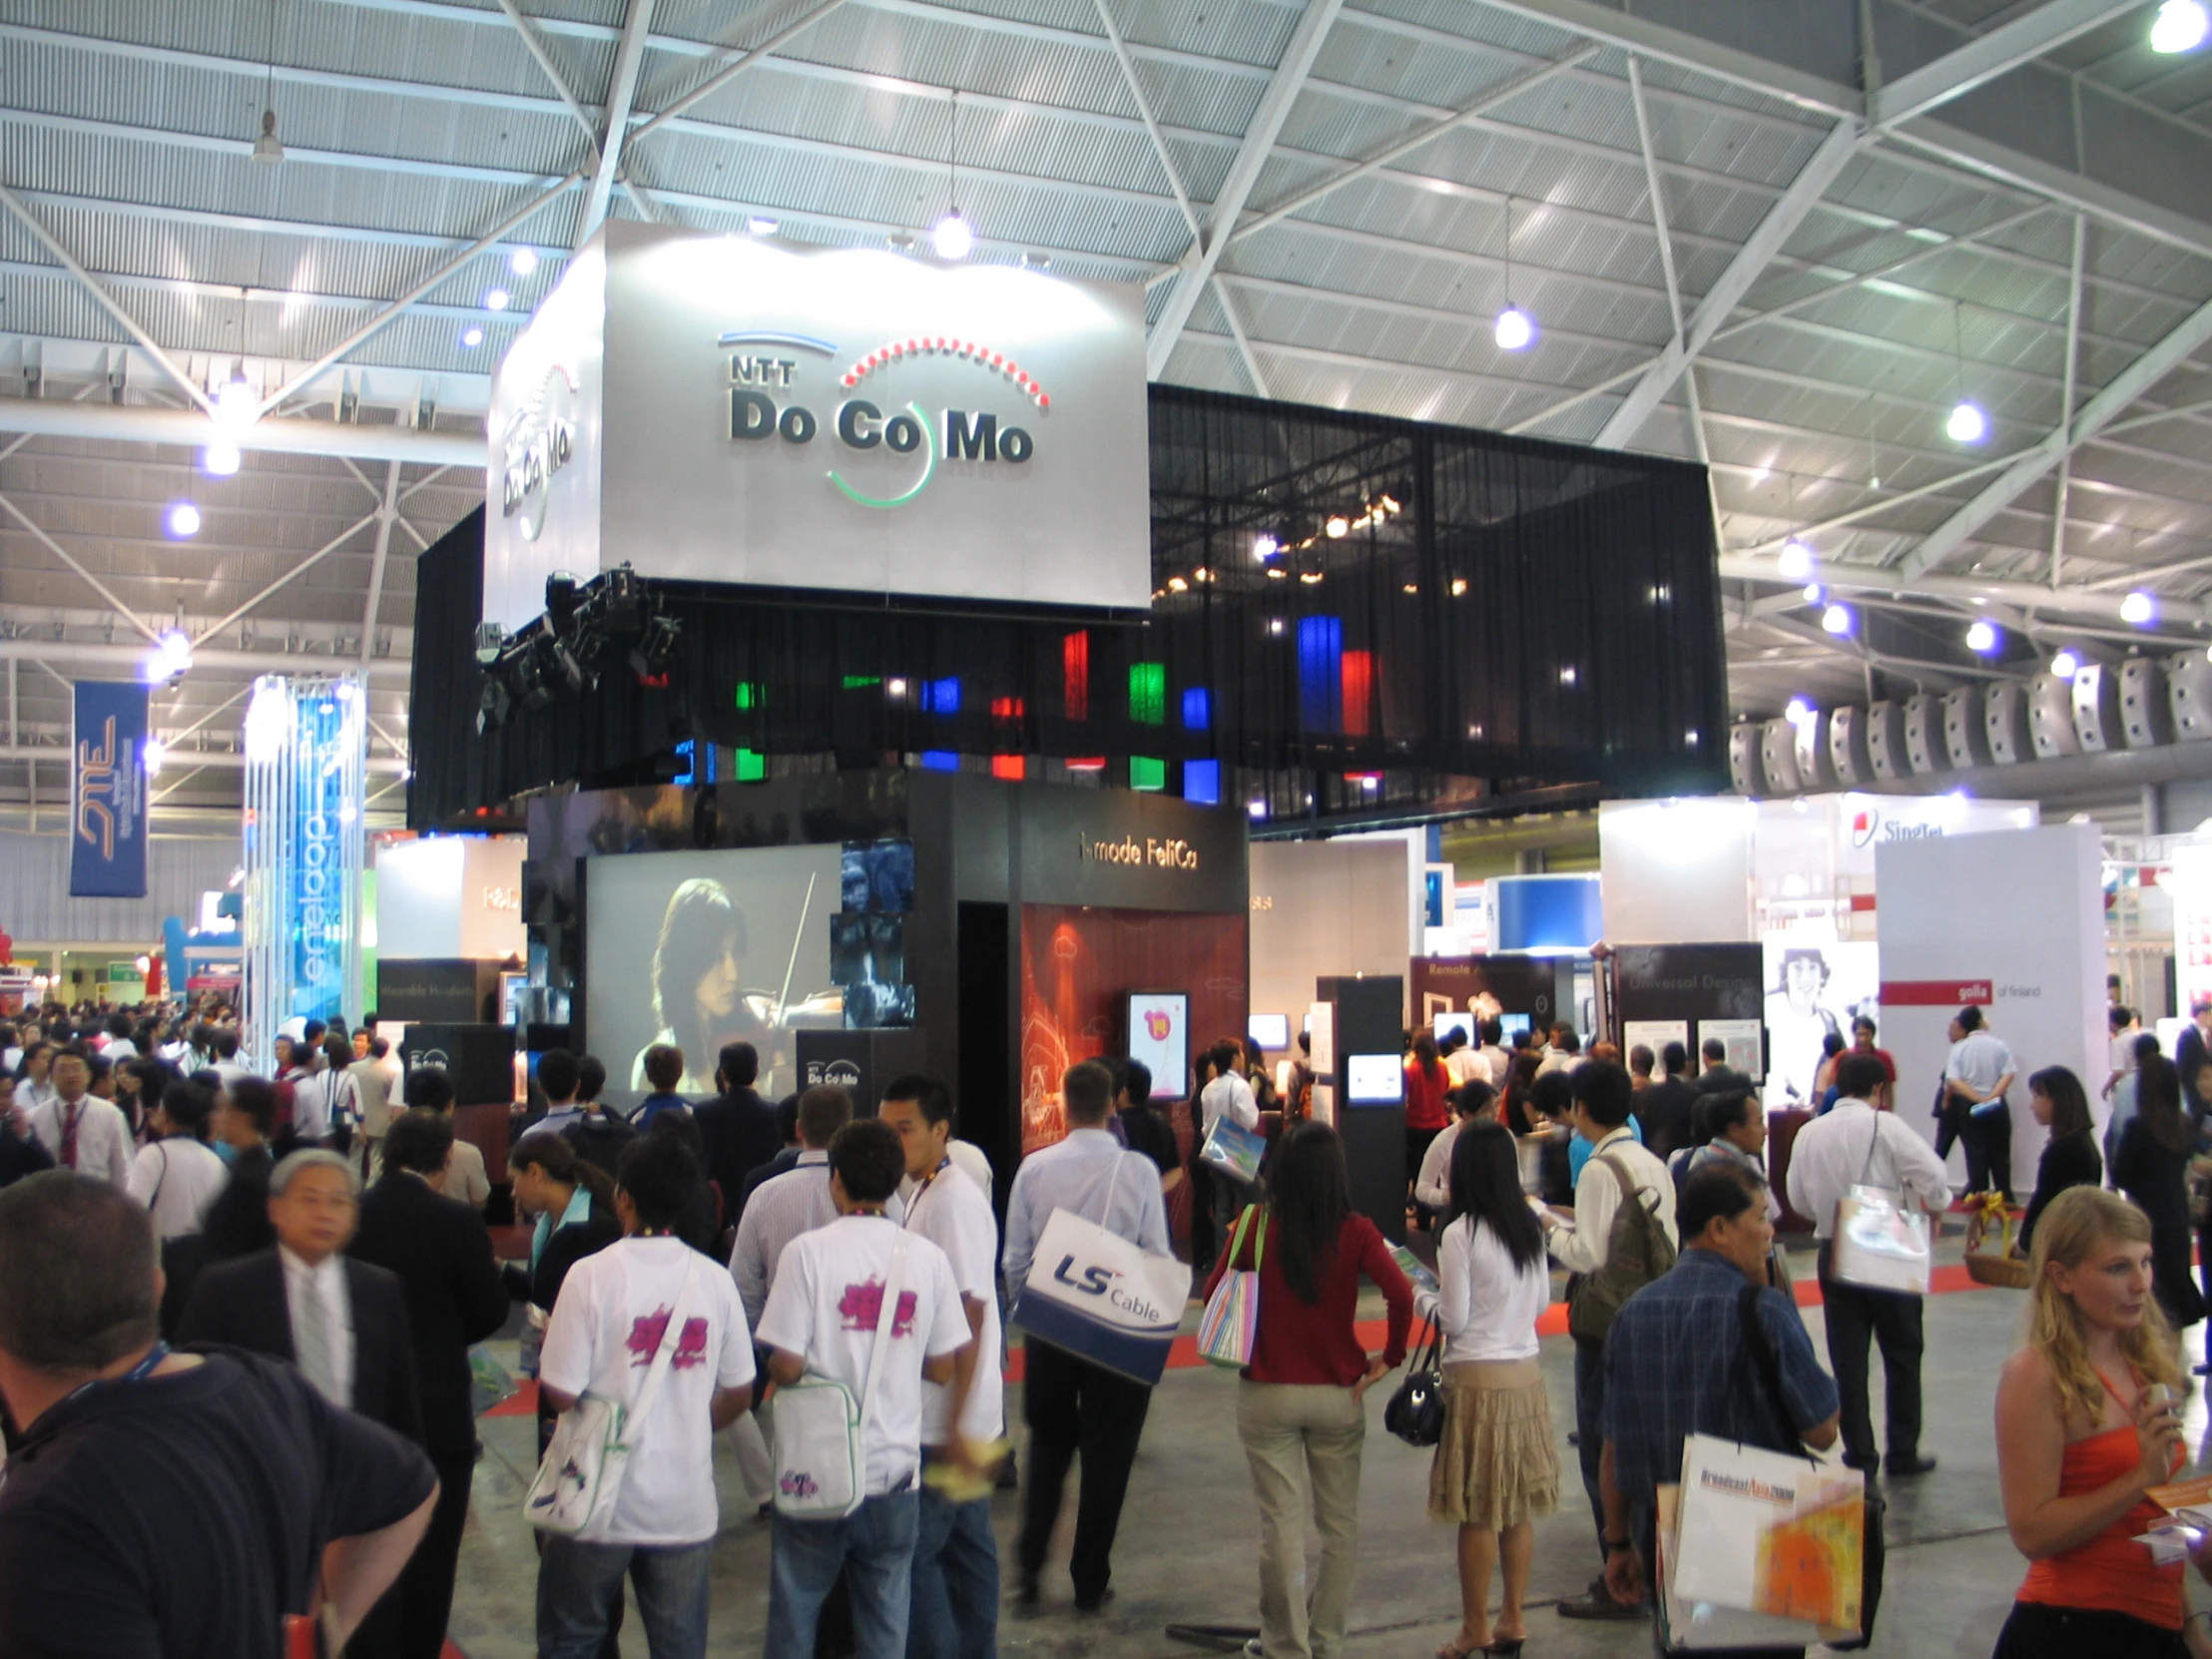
x=1795, y=562
x=2179, y=27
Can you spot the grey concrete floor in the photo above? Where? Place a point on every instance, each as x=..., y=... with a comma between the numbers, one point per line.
x=1189, y=1533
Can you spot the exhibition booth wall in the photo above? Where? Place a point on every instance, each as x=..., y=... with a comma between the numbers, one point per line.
x=1320, y=909
x=1004, y=923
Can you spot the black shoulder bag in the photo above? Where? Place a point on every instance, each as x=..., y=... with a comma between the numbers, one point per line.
x=1769, y=1372
x=1416, y=1412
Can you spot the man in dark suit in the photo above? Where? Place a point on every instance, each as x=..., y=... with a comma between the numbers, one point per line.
x=343, y=1322
x=441, y=1253
x=237, y=1221
x=738, y=1130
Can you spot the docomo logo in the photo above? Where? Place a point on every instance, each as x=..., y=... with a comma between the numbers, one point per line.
x=862, y=425
x=539, y=441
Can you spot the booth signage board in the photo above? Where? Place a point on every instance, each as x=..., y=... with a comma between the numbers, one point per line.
x=478, y=1059
x=729, y=408
x=450, y=991
x=2190, y=883
x=1814, y=856
x=1489, y=987
x=107, y=790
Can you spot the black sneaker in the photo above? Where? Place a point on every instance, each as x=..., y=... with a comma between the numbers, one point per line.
x=1599, y=1603
x=1904, y=1468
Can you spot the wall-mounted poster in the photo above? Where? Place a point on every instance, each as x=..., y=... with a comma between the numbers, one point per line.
x=1655, y=1035
x=1160, y=1037
x=1812, y=991
x=1741, y=1037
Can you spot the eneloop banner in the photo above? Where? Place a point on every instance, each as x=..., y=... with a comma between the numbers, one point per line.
x=107, y=792
x=729, y=408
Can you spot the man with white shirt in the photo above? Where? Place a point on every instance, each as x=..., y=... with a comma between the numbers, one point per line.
x=176, y=1175
x=955, y=1613
x=1581, y=1243
x=227, y=1064
x=1071, y=1403
x=617, y=1310
x=823, y=1319
x=558, y=1076
x=1432, y=1187
x=1227, y=1094
x=35, y=1084
x=786, y=1205
x=1856, y=1145
x=372, y=1095
x=82, y=1131
x=1976, y=1078
x=1462, y=1064
x=1494, y=1055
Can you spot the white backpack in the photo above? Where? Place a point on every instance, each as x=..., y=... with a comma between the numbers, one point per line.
x=821, y=1435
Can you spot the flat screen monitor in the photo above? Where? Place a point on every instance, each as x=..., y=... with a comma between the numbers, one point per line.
x=1268, y=1030
x=706, y=948
x=1471, y=1024
x=1374, y=1080
x=1510, y=1024
x=1160, y=1037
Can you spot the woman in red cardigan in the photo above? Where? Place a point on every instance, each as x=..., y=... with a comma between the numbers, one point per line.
x=1300, y=1411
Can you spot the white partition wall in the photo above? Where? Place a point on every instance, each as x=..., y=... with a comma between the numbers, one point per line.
x=1677, y=870
x=2013, y=921
x=1325, y=907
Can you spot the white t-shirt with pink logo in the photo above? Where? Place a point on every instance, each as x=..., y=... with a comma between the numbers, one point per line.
x=612, y=1312
x=829, y=1294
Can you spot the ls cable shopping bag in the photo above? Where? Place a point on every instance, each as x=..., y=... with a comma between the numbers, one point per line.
x=1099, y=1297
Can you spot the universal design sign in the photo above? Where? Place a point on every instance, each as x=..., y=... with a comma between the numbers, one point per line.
x=729, y=408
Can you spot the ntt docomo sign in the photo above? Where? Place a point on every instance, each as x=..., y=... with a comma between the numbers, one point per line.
x=734, y=409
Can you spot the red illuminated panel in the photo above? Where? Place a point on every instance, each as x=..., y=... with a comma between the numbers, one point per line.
x=1011, y=766
x=1359, y=689
x=1075, y=672
x=1008, y=708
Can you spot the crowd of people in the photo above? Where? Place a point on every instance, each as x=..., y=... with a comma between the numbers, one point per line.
x=312, y=1243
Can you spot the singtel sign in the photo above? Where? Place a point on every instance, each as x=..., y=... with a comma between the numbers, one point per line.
x=727, y=408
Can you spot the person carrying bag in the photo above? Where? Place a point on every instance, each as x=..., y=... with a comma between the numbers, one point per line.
x=822, y=1434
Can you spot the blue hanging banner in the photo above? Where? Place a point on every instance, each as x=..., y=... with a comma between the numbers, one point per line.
x=107, y=792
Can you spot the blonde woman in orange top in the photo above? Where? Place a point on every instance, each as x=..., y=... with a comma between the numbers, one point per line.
x=2085, y=1425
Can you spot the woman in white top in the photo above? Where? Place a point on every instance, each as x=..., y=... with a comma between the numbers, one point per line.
x=178, y=1176
x=1498, y=1467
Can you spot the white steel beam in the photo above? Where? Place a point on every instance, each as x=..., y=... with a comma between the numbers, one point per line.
x=71, y=560
x=1985, y=57
x=1848, y=578
x=285, y=580
x=544, y=60
x=192, y=759
x=99, y=656
x=386, y=515
x=2131, y=384
x=622, y=88
x=1713, y=309
x=746, y=60
x=286, y=435
x=1244, y=173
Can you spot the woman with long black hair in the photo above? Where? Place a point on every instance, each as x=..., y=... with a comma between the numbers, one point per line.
x=2152, y=1168
x=1299, y=1407
x=698, y=997
x=1496, y=1467
x=2071, y=1157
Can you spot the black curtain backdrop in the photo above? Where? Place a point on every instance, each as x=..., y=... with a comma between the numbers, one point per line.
x=1497, y=609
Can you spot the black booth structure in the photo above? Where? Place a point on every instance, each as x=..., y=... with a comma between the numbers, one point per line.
x=986, y=930
x=1352, y=615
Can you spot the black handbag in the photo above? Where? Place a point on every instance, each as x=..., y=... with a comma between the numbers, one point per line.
x=1415, y=1414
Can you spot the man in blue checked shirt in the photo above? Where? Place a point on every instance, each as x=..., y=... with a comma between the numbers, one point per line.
x=1677, y=1365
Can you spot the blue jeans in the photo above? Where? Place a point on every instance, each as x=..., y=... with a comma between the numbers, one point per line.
x=580, y=1590
x=1589, y=1427
x=874, y=1546
x=955, y=1594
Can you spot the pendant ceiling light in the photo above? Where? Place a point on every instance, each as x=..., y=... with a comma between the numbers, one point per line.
x=2179, y=27
x=1515, y=330
x=951, y=235
x=267, y=149
x=1966, y=424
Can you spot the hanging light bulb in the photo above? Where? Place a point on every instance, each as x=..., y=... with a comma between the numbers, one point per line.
x=1836, y=619
x=1967, y=424
x=2180, y=26
x=237, y=405
x=1795, y=562
x=2066, y=665
x=2138, y=609
x=220, y=459
x=1981, y=638
x=1514, y=329
x=1799, y=711
x=152, y=753
x=952, y=236
x=523, y=260
x=1814, y=593
x=267, y=149
x=184, y=520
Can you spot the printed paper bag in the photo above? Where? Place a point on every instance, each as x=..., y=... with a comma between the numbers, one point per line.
x=1099, y=1297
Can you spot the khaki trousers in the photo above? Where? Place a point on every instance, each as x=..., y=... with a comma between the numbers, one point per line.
x=1303, y=1439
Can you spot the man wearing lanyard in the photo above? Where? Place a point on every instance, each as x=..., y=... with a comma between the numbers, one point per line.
x=82, y=1131
x=955, y=1610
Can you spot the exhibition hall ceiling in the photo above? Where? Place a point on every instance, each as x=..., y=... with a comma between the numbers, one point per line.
x=1739, y=236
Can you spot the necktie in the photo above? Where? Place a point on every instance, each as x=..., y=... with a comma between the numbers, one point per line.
x=311, y=1342
x=69, y=1115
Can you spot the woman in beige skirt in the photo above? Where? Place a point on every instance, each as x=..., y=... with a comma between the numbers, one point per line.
x=1498, y=1467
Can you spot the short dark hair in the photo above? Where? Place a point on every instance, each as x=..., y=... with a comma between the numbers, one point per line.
x=1720, y=1190
x=1858, y=1075
x=118, y=1025
x=1088, y=1091
x=1604, y=1091
x=1472, y=1096
x=1674, y=1059
x=1227, y=1056
x=257, y=1098
x=226, y=1046
x=1713, y=1049
x=1641, y=1061
x=823, y=1111
x=661, y=1175
x=591, y=1076
x=1492, y=1029
x=557, y=1069
x=866, y=1157
x=1136, y=1081
x=926, y=1092
x=1969, y=1019
x=429, y=1087
x=419, y=1140
x=664, y=1066
x=188, y=1106
x=1721, y=1110
x=78, y=1292
x=740, y=1064
x=1563, y=1035
x=313, y=1029
x=2145, y=1047
x=1552, y=1093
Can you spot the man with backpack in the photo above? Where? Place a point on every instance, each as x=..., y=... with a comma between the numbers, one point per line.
x=1614, y=1249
